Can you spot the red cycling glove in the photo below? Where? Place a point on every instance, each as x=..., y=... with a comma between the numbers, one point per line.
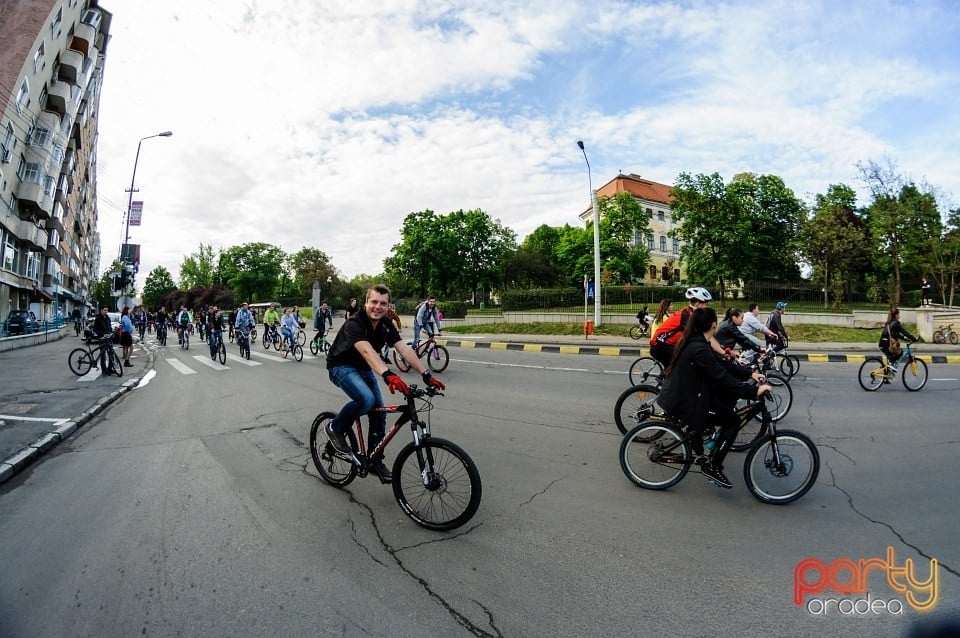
x=429, y=379
x=395, y=383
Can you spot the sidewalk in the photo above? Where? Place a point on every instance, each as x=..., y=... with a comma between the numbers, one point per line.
x=831, y=352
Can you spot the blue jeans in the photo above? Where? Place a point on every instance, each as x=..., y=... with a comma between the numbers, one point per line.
x=364, y=391
x=416, y=331
x=288, y=333
x=215, y=338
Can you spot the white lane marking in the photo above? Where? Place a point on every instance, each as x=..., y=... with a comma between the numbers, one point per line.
x=207, y=361
x=521, y=365
x=18, y=417
x=242, y=360
x=614, y=372
x=180, y=367
x=92, y=375
x=146, y=379
x=269, y=356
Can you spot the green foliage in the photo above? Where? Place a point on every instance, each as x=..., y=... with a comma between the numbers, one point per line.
x=159, y=283
x=197, y=270
x=452, y=309
x=309, y=265
x=101, y=291
x=538, y=299
x=252, y=270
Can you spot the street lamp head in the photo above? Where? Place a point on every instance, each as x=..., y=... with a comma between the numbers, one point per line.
x=580, y=144
x=165, y=134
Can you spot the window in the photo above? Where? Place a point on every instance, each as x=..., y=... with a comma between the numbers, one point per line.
x=91, y=17
x=665, y=273
x=650, y=242
x=676, y=246
x=38, y=58
x=40, y=136
x=637, y=238
x=31, y=172
x=49, y=185
x=33, y=265
x=653, y=272
x=55, y=25
x=8, y=139
x=57, y=155
x=676, y=274
x=66, y=124
x=9, y=252
x=650, y=213
x=659, y=215
x=663, y=244
x=23, y=95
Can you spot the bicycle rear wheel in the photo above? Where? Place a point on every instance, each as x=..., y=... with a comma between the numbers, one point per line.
x=782, y=467
x=636, y=405
x=334, y=467
x=402, y=364
x=938, y=337
x=436, y=484
x=654, y=455
x=636, y=332
x=645, y=370
x=438, y=358
x=914, y=374
x=80, y=361
x=782, y=396
x=872, y=374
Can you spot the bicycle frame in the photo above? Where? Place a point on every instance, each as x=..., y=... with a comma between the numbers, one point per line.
x=408, y=414
x=424, y=346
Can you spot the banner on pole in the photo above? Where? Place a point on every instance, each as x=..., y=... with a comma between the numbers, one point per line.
x=136, y=212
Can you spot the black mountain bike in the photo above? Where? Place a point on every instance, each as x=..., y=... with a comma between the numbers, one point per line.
x=243, y=338
x=436, y=484
x=780, y=467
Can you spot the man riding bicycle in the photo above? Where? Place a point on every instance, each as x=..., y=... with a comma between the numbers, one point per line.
x=270, y=320
x=353, y=363
x=183, y=323
x=426, y=319
x=288, y=328
x=244, y=321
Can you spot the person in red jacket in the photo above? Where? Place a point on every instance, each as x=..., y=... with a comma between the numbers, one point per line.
x=669, y=332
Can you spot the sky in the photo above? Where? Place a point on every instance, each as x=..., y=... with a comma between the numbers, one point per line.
x=324, y=123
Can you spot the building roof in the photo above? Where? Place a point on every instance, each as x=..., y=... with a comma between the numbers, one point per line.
x=637, y=186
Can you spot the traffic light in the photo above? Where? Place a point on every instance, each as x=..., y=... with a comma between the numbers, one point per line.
x=126, y=278
x=116, y=280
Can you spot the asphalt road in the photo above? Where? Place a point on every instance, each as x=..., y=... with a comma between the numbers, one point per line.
x=190, y=507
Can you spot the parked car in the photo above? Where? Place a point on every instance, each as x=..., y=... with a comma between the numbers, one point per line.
x=115, y=325
x=22, y=322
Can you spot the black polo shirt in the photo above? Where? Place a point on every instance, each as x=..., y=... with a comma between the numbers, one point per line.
x=358, y=328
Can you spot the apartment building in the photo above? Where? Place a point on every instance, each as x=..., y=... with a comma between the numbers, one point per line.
x=51, y=71
x=654, y=198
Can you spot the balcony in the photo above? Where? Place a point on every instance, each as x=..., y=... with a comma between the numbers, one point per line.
x=35, y=239
x=56, y=223
x=69, y=162
x=71, y=64
x=50, y=120
x=83, y=36
x=34, y=203
x=59, y=98
x=53, y=247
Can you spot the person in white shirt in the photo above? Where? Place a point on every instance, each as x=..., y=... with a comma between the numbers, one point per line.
x=288, y=328
x=752, y=325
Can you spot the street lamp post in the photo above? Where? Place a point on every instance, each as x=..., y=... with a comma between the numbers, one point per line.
x=596, y=240
x=126, y=233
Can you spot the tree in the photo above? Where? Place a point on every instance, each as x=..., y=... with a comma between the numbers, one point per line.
x=622, y=220
x=942, y=261
x=412, y=257
x=835, y=241
x=527, y=268
x=707, y=228
x=252, y=270
x=309, y=265
x=574, y=253
x=902, y=219
x=159, y=283
x=198, y=269
x=102, y=291
x=480, y=243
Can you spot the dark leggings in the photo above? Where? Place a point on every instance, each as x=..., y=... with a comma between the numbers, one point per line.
x=726, y=418
x=662, y=352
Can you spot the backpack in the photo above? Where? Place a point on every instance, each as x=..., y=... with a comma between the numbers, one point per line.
x=184, y=318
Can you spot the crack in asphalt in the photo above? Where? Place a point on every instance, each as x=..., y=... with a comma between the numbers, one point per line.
x=439, y=540
x=353, y=535
x=541, y=492
x=820, y=443
x=903, y=540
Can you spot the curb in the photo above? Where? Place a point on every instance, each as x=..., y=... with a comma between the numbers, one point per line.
x=616, y=351
x=14, y=464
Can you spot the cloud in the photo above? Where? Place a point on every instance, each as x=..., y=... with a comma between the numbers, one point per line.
x=324, y=124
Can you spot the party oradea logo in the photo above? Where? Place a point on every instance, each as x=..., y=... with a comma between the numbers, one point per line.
x=850, y=587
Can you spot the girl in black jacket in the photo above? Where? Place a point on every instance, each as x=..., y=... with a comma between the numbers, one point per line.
x=697, y=384
x=895, y=328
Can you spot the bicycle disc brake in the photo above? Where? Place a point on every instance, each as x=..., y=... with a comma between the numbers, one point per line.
x=784, y=469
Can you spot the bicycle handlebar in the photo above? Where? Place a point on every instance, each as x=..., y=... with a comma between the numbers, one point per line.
x=417, y=392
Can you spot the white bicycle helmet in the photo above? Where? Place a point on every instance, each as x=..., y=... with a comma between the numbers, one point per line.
x=698, y=294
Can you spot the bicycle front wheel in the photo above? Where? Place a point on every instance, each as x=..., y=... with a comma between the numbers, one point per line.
x=872, y=374
x=222, y=354
x=298, y=352
x=402, y=364
x=645, y=370
x=314, y=347
x=301, y=338
x=654, y=455
x=636, y=332
x=635, y=405
x=953, y=338
x=115, y=364
x=914, y=374
x=334, y=467
x=436, y=484
x=782, y=467
x=938, y=337
x=788, y=364
x=79, y=361
x=438, y=358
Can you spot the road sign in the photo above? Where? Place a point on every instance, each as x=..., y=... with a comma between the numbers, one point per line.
x=124, y=301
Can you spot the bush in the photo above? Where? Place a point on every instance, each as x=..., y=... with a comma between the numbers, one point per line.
x=453, y=309
x=911, y=298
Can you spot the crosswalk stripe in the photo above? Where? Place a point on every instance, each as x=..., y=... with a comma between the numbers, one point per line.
x=242, y=360
x=180, y=367
x=207, y=361
x=269, y=356
x=93, y=375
